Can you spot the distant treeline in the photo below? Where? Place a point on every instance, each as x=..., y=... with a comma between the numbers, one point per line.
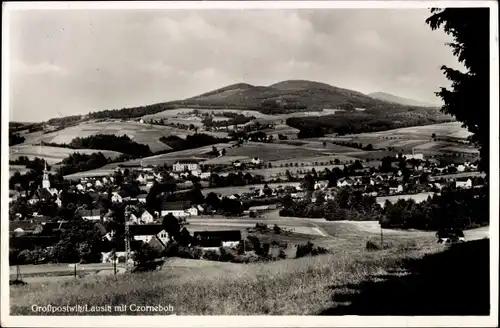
x=64, y=120
x=81, y=162
x=15, y=139
x=133, y=111
x=343, y=123
x=192, y=141
x=122, y=144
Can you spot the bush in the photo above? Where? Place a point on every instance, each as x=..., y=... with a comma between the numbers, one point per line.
x=277, y=229
x=194, y=253
x=226, y=255
x=372, y=245
x=211, y=255
x=309, y=249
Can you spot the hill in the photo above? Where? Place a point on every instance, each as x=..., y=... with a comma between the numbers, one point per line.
x=399, y=100
x=288, y=95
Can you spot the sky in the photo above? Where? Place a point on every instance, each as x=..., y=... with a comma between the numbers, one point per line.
x=67, y=62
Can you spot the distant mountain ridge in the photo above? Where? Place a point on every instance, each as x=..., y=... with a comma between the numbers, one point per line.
x=384, y=96
x=282, y=97
x=309, y=95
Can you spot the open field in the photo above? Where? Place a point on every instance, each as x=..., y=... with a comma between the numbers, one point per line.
x=52, y=154
x=226, y=191
x=317, y=144
x=418, y=137
x=325, y=284
x=271, y=152
x=420, y=197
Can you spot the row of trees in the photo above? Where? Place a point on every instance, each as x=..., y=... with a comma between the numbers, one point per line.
x=15, y=139
x=358, y=122
x=460, y=209
x=192, y=141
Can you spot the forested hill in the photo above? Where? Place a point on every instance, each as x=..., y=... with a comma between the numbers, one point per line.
x=282, y=97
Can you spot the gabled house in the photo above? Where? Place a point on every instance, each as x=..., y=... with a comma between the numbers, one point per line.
x=116, y=198
x=91, y=215
x=205, y=175
x=237, y=163
x=177, y=209
x=342, y=182
x=256, y=161
x=146, y=218
x=463, y=184
x=146, y=232
x=320, y=185
x=141, y=179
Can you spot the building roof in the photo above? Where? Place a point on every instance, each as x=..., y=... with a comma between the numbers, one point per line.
x=223, y=235
x=43, y=193
x=188, y=161
x=145, y=229
x=25, y=225
x=175, y=206
x=84, y=213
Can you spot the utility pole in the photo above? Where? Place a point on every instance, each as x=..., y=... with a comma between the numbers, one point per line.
x=381, y=236
x=114, y=261
x=127, y=239
x=75, y=269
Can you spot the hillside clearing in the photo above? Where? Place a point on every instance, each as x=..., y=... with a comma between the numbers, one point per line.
x=53, y=154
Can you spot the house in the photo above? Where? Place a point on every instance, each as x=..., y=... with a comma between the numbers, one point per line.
x=463, y=184
x=320, y=185
x=80, y=187
x=146, y=218
x=256, y=161
x=141, y=197
x=92, y=215
x=141, y=179
x=107, y=257
x=141, y=121
x=146, y=232
x=414, y=156
x=116, y=198
x=193, y=211
x=396, y=190
x=21, y=228
x=342, y=182
x=189, y=165
x=205, y=175
x=216, y=239
x=196, y=173
x=105, y=180
x=461, y=168
x=177, y=209
x=98, y=184
x=237, y=163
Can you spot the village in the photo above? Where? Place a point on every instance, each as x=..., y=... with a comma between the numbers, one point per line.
x=37, y=219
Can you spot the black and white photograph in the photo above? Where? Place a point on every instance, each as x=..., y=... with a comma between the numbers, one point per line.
x=334, y=160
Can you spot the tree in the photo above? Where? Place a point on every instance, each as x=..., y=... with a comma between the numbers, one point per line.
x=171, y=226
x=469, y=89
x=144, y=254
x=213, y=201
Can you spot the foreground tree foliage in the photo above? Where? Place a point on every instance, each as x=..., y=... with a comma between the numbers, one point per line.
x=468, y=99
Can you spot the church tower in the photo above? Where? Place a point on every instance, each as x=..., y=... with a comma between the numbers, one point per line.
x=45, y=181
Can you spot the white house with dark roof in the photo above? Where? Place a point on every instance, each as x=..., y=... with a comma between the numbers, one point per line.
x=177, y=209
x=189, y=165
x=146, y=218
